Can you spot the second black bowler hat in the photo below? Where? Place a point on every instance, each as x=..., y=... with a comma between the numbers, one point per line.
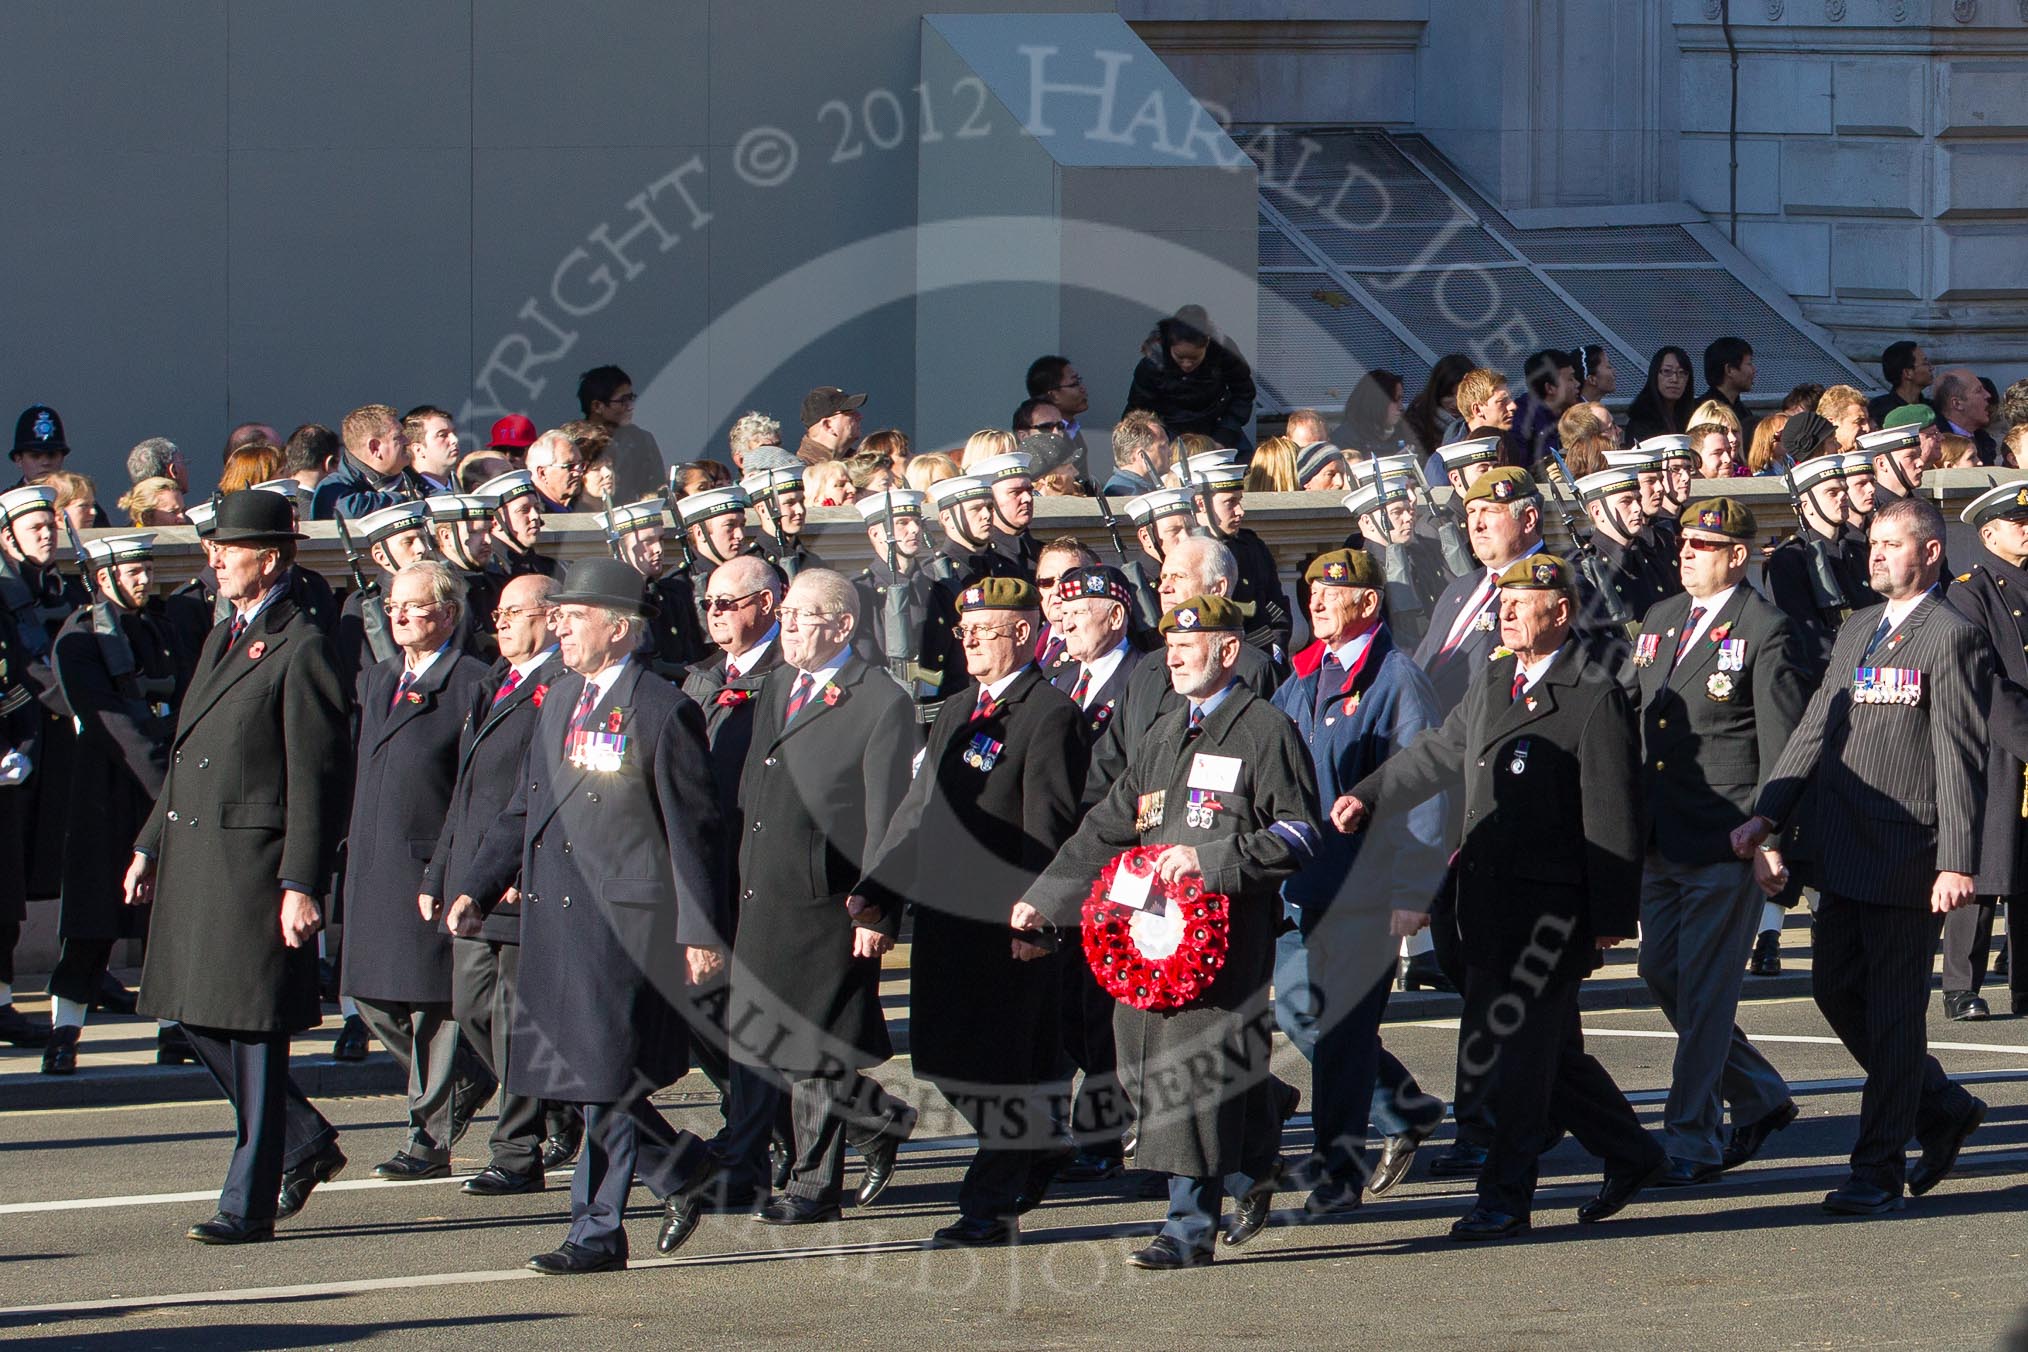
x=249, y=517
x=602, y=582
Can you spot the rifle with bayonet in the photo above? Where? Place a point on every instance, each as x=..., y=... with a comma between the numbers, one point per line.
x=372, y=616
x=114, y=647
x=1590, y=564
x=788, y=564
x=1457, y=551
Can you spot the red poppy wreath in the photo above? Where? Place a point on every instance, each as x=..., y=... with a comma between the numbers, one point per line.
x=1161, y=956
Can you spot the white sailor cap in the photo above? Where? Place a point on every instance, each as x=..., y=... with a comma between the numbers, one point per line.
x=1888, y=439
x=287, y=488
x=203, y=518
x=1214, y=469
x=26, y=500
x=2001, y=502
x=1369, y=498
x=1635, y=461
x=109, y=550
x=998, y=468
x=1476, y=451
x=712, y=502
x=633, y=516
x=504, y=488
x=1852, y=463
x=447, y=507
x=1397, y=467
x=1615, y=479
x=1809, y=473
x=388, y=522
x=887, y=505
x=1668, y=446
x=945, y=494
x=767, y=483
x=1149, y=508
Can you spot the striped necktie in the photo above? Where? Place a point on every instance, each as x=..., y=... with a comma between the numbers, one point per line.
x=401, y=687
x=798, y=696
x=507, y=686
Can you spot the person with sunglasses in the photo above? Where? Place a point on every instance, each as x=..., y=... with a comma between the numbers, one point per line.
x=1054, y=380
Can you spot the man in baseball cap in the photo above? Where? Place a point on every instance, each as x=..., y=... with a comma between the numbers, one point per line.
x=830, y=424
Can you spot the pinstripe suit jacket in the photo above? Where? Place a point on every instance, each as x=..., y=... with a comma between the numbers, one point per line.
x=1901, y=789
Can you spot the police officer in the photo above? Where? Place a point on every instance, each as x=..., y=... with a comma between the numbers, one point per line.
x=1547, y=746
x=1365, y=701
x=517, y=515
x=240, y=843
x=1218, y=482
x=1993, y=596
x=1222, y=781
x=776, y=490
x=1723, y=681
x=486, y=965
x=123, y=666
x=996, y=795
x=672, y=635
x=462, y=526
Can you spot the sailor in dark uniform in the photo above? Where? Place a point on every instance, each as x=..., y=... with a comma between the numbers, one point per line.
x=1012, y=477
x=1410, y=562
x=1218, y=482
x=777, y=495
x=964, y=510
x=1810, y=576
x=672, y=631
x=1612, y=497
x=929, y=667
x=394, y=537
x=463, y=526
x=714, y=530
x=1161, y=517
x=517, y=518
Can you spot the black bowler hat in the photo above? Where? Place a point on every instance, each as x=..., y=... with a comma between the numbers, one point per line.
x=39, y=429
x=603, y=582
x=252, y=517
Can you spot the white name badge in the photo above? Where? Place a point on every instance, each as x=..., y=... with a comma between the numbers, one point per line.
x=1220, y=774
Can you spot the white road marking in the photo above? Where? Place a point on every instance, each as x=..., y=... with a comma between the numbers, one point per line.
x=1814, y=1039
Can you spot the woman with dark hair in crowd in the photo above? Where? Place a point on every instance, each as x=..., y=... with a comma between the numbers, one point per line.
x=1665, y=402
x=1596, y=377
x=1194, y=381
x=1430, y=417
x=1372, y=421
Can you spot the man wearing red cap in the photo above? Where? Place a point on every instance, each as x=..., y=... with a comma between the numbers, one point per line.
x=512, y=436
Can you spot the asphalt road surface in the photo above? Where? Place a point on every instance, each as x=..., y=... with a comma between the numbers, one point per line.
x=94, y=1201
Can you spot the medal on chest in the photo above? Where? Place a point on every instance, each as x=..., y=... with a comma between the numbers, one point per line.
x=1732, y=654
x=1203, y=809
x=597, y=751
x=1519, y=762
x=1148, y=811
x=983, y=752
x=1645, y=648
x=1887, y=685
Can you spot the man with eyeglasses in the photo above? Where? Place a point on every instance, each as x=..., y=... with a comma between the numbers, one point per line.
x=517, y=522
x=996, y=794
x=1056, y=558
x=1038, y=415
x=1723, y=681
x=558, y=472
x=605, y=395
x=463, y=526
x=1056, y=381
x=828, y=766
x=397, y=964
x=528, y=1137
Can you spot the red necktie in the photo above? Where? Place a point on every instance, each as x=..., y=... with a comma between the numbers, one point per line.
x=238, y=628
x=400, y=688
x=988, y=706
x=1689, y=628
x=1520, y=682
x=584, y=706
x=1083, y=685
x=797, y=697
x=507, y=686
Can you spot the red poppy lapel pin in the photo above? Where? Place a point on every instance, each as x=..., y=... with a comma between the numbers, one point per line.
x=1721, y=633
x=536, y=698
x=255, y=650
x=830, y=696
x=732, y=698
x=613, y=721
x=413, y=697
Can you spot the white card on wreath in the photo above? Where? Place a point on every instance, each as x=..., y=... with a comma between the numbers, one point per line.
x=1130, y=888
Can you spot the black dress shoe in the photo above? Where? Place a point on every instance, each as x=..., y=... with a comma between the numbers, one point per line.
x=1086, y=1167
x=1767, y=954
x=561, y=1148
x=1422, y=973
x=224, y=1229
x=1965, y=1006
x=1331, y=1198
x=880, y=1155
x=571, y=1260
x=1939, y=1159
x=1855, y=1198
x=1618, y=1190
x=1682, y=1173
x=408, y=1168
x=1483, y=1223
x=1460, y=1161
x=1251, y=1212
x=172, y=1046
x=298, y=1183
x=681, y=1214
x=800, y=1211
x=60, y=1056
x=1397, y=1157
x=20, y=1030
x=113, y=996
x=1164, y=1254
x=350, y=1044
x=972, y=1232
x=1746, y=1141
x=493, y=1181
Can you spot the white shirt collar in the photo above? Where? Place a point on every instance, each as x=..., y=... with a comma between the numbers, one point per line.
x=741, y=663
x=522, y=670
x=1493, y=574
x=999, y=687
x=422, y=665
x=604, y=681
x=1899, y=611
x=1712, y=604
x=1100, y=670
x=268, y=598
x=1534, y=671
x=1352, y=649
x=828, y=673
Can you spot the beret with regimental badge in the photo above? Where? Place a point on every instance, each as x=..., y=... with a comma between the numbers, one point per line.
x=1718, y=519
x=1207, y=614
x=999, y=593
x=1344, y=568
x=1100, y=583
x=1538, y=572
x=1504, y=483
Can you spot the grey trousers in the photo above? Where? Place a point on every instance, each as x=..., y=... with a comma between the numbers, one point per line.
x=828, y=1114
x=424, y=1041
x=483, y=978
x=1697, y=924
